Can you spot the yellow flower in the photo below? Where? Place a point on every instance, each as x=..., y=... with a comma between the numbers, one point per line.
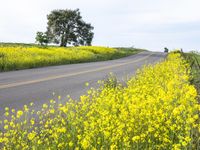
x=31, y=104
x=45, y=106
x=39, y=142
x=19, y=113
x=32, y=121
x=61, y=145
x=86, y=84
x=135, y=138
x=31, y=135
x=62, y=130
x=13, y=110
x=6, y=113
x=71, y=144
x=6, y=127
x=52, y=111
x=85, y=143
x=6, y=109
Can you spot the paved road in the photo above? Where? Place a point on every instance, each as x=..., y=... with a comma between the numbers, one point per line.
x=37, y=85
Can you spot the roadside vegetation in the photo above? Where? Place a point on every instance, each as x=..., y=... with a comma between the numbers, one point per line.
x=193, y=58
x=22, y=56
x=157, y=109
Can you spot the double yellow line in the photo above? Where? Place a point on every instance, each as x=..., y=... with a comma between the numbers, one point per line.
x=69, y=75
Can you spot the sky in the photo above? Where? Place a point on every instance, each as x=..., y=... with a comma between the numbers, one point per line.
x=149, y=24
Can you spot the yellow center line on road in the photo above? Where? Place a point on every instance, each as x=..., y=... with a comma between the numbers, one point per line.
x=69, y=75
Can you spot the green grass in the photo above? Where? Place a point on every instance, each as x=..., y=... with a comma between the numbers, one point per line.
x=194, y=60
x=19, y=56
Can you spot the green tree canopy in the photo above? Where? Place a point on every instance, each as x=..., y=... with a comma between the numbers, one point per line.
x=67, y=27
x=166, y=50
x=41, y=38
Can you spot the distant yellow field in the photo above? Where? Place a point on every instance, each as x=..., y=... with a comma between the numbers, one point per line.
x=23, y=57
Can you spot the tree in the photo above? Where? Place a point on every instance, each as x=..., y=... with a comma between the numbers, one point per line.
x=67, y=27
x=41, y=38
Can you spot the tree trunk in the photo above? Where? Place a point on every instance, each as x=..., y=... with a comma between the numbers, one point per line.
x=63, y=44
x=63, y=41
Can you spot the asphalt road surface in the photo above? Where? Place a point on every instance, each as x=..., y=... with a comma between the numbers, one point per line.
x=18, y=88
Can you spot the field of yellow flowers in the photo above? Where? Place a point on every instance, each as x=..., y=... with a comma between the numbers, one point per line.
x=156, y=110
x=15, y=57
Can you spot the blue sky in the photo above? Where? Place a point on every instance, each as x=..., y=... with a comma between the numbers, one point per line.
x=146, y=24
